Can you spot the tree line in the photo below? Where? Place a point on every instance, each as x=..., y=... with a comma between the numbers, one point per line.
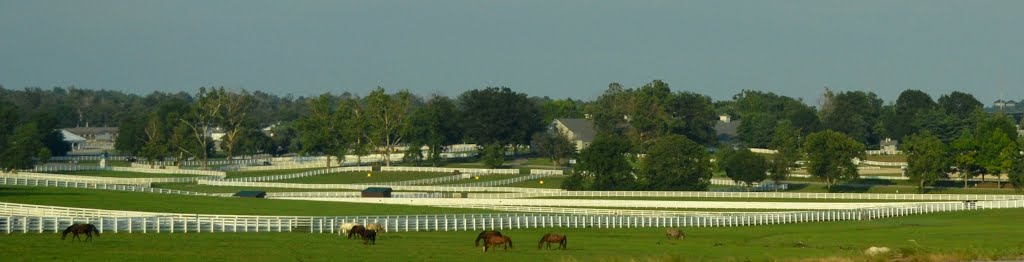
x=649, y=137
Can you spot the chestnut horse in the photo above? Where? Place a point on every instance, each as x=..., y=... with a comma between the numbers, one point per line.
x=485, y=235
x=553, y=238
x=495, y=241
x=77, y=229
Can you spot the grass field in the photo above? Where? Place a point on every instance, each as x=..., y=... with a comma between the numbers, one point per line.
x=549, y=182
x=361, y=177
x=977, y=235
x=732, y=199
x=138, y=201
x=484, y=178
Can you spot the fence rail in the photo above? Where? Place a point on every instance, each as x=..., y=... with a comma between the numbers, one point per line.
x=362, y=186
x=466, y=222
x=77, y=168
x=86, y=185
x=787, y=195
x=301, y=174
x=100, y=180
x=450, y=170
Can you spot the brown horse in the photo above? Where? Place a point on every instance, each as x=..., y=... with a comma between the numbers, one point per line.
x=485, y=235
x=553, y=238
x=77, y=229
x=356, y=230
x=674, y=233
x=495, y=241
x=369, y=237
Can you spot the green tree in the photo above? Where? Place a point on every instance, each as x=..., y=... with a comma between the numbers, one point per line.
x=435, y=125
x=604, y=165
x=234, y=118
x=131, y=136
x=554, y=146
x=926, y=159
x=757, y=130
x=830, y=156
x=156, y=133
x=778, y=169
x=1016, y=173
x=388, y=117
x=965, y=150
x=498, y=115
x=855, y=114
x=996, y=152
x=22, y=148
x=493, y=155
x=910, y=104
x=787, y=141
x=676, y=163
x=745, y=166
x=322, y=129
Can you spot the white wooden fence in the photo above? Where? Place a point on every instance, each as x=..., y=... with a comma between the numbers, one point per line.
x=361, y=187
x=450, y=170
x=77, y=168
x=786, y=195
x=301, y=174
x=86, y=185
x=99, y=180
x=466, y=222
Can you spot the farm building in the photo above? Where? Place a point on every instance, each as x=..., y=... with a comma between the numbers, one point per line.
x=252, y=194
x=377, y=192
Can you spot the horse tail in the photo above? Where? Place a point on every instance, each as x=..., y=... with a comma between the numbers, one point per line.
x=565, y=242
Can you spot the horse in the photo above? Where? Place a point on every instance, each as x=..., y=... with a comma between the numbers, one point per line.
x=76, y=228
x=494, y=241
x=553, y=238
x=369, y=237
x=485, y=235
x=357, y=230
x=344, y=227
x=374, y=227
x=674, y=233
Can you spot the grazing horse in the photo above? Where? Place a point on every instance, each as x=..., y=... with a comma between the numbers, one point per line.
x=553, y=238
x=485, y=235
x=344, y=227
x=369, y=237
x=77, y=229
x=495, y=241
x=674, y=233
x=357, y=230
x=374, y=227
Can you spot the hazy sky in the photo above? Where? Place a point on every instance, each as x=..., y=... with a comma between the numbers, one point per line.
x=544, y=48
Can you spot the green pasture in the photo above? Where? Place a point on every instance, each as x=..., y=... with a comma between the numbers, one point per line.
x=958, y=236
x=554, y=182
x=170, y=203
x=361, y=177
x=123, y=174
x=483, y=178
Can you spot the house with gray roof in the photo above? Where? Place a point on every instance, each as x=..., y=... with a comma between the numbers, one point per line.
x=580, y=131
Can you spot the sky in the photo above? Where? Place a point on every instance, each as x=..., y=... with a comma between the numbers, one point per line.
x=560, y=49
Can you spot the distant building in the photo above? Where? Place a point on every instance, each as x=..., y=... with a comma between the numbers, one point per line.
x=74, y=140
x=889, y=146
x=726, y=129
x=95, y=134
x=580, y=131
x=999, y=104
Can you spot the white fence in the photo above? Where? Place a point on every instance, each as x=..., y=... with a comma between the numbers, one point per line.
x=776, y=195
x=362, y=186
x=501, y=182
x=299, y=175
x=77, y=168
x=467, y=222
x=100, y=180
x=86, y=185
x=450, y=170
x=878, y=163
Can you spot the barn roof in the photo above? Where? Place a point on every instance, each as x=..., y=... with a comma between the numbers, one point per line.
x=582, y=128
x=71, y=137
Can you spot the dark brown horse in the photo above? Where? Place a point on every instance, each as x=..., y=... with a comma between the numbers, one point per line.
x=553, y=238
x=356, y=230
x=369, y=237
x=77, y=229
x=674, y=233
x=495, y=241
x=485, y=235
